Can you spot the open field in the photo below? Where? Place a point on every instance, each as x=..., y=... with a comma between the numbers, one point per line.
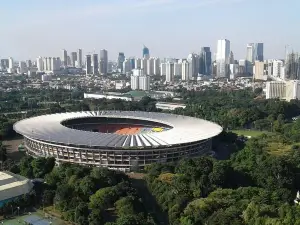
x=251, y=133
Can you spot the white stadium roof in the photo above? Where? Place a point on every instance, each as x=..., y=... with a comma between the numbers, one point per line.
x=48, y=128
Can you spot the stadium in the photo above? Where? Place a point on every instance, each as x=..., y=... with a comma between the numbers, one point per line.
x=121, y=140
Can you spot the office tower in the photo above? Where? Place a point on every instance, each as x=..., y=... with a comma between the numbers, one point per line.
x=121, y=59
x=138, y=63
x=144, y=65
x=233, y=71
x=65, y=57
x=205, y=61
x=269, y=67
x=40, y=64
x=4, y=64
x=103, y=63
x=134, y=81
x=177, y=69
x=275, y=89
x=132, y=63
x=156, y=66
x=11, y=63
x=222, y=58
x=150, y=66
x=163, y=69
x=277, y=68
x=169, y=72
x=292, y=66
x=259, y=70
x=88, y=64
x=73, y=58
x=231, y=58
x=194, y=66
x=126, y=66
x=45, y=62
x=95, y=64
x=55, y=63
x=146, y=52
x=258, y=52
x=79, y=58
x=185, y=70
x=144, y=83
x=49, y=59
x=28, y=63
x=22, y=67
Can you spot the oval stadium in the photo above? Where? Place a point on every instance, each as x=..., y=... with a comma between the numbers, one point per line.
x=121, y=140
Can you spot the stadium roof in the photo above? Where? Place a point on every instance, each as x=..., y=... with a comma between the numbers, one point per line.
x=185, y=129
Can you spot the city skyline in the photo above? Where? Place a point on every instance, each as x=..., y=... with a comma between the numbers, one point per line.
x=42, y=32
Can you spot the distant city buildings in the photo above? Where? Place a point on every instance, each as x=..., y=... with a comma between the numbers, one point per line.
x=146, y=52
x=65, y=58
x=205, y=61
x=88, y=64
x=286, y=90
x=79, y=58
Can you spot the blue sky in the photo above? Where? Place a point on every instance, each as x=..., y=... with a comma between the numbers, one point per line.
x=170, y=28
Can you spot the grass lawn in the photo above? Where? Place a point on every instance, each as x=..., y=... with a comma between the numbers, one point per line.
x=252, y=133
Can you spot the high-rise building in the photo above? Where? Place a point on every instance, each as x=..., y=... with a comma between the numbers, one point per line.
x=138, y=63
x=73, y=58
x=121, y=59
x=185, y=70
x=144, y=65
x=28, y=63
x=132, y=63
x=103, y=62
x=40, y=64
x=259, y=70
x=22, y=67
x=126, y=66
x=277, y=65
x=292, y=90
x=144, y=83
x=193, y=66
x=11, y=63
x=146, y=52
x=65, y=57
x=169, y=72
x=139, y=81
x=79, y=58
x=49, y=59
x=156, y=68
x=222, y=58
x=45, y=62
x=292, y=66
x=4, y=64
x=231, y=58
x=150, y=66
x=205, y=61
x=258, y=52
x=177, y=69
x=95, y=64
x=88, y=64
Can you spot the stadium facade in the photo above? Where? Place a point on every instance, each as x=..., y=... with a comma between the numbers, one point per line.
x=121, y=140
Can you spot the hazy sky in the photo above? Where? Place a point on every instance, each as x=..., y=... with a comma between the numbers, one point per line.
x=169, y=28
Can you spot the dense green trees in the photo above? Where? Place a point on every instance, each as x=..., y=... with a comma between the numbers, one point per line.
x=252, y=187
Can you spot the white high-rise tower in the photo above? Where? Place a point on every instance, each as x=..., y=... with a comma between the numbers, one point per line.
x=222, y=58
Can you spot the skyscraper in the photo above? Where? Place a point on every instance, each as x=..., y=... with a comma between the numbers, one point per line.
x=205, y=61
x=150, y=66
x=121, y=59
x=73, y=58
x=258, y=53
x=185, y=70
x=79, y=58
x=292, y=66
x=193, y=71
x=169, y=72
x=146, y=52
x=156, y=63
x=103, y=63
x=95, y=64
x=222, y=58
x=88, y=64
x=65, y=57
x=40, y=64
x=11, y=63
